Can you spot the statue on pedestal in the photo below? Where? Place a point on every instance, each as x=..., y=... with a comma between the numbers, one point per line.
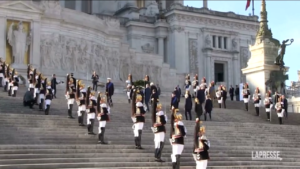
x=19, y=40
x=276, y=81
x=279, y=58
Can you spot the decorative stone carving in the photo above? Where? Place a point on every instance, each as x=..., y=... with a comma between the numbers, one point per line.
x=178, y=29
x=208, y=41
x=244, y=57
x=19, y=40
x=234, y=44
x=147, y=48
x=193, y=56
x=51, y=6
x=79, y=55
x=212, y=22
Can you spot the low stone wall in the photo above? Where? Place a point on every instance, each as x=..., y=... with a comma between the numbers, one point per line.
x=294, y=104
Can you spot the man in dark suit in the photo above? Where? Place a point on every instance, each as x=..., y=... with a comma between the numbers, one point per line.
x=147, y=96
x=95, y=79
x=285, y=106
x=237, y=93
x=174, y=100
x=53, y=85
x=109, y=91
x=231, y=92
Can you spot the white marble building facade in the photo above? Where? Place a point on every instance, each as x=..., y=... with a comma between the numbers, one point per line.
x=130, y=37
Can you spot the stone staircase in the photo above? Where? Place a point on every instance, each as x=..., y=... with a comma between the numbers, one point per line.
x=31, y=140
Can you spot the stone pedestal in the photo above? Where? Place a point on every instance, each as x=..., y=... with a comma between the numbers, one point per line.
x=261, y=64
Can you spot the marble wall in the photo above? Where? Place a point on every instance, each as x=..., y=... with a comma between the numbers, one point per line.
x=83, y=44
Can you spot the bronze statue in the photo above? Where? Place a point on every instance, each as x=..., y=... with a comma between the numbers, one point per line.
x=279, y=58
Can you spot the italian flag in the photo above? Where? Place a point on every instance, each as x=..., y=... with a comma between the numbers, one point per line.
x=248, y=4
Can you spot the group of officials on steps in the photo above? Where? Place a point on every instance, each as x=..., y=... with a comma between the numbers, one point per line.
x=97, y=106
x=159, y=120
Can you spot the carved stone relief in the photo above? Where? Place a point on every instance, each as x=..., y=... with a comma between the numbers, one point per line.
x=208, y=41
x=193, y=56
x=83, y=56
x=147, y=48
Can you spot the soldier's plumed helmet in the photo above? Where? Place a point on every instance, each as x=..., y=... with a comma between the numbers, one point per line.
x=92, y=93
x=177, y=115
x=139, y=97
x=159, y=106
x=202, y=129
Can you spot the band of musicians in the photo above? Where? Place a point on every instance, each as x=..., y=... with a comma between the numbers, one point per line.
x=92, y=105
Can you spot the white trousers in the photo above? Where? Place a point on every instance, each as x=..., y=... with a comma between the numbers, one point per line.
x=101, y=124
x=1, y=75
x=137, y=127
x=268, y=110
x=81, y=108
x=220, y=101
x=256, y=105
x=36, y=91
x=201, y=164
x=47, y=102
x=13, y=88
x=128, y=95
x=90, y=116
x=246, y=100
x=159, y=137
x=176, y=150
x=70, y=101
x=281, y=113
x=41, y=96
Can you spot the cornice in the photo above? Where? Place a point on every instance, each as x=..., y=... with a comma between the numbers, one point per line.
x=140, y=24
x=212, y=30
x=199, y=19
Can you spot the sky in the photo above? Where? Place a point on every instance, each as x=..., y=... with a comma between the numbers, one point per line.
x=284, y=21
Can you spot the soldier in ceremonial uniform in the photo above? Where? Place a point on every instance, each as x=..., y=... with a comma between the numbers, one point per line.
x=188, y=84
x=246, y=94
x=178, y=133
x=201, y=146
x=48, y=96
x=37, y=87
x=42, y=92
x=196, y=135
x=279, y=106
x=139, y=119
x=103, y=116
x=81, y=99
x=31, y=77
x=268, y=104
x=129, y=87
x=219, y=94
x=91, y=105
x=159, y=120
x=6, y=77
x=195, y=85
x=15, y=83
x=257, y=100
x=109, y=91
x=70, y=95
x=10, y=81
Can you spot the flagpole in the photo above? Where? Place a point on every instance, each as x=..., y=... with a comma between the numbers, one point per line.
x=252, y=7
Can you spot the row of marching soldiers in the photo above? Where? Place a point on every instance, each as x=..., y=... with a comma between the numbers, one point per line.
x=9, y=78
x=89, y=103
x=177, y=132
x=280, y=104
x=41, y=88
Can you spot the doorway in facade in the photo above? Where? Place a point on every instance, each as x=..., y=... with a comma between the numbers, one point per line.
x=219, y=72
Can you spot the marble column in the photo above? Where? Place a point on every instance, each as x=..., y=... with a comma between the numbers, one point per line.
x=204, y=3
x=35, y=52
x=179, y=52
x=161, y=46
x=208, y=68
x=3, y=37
x=62, y=3
x=78, y=5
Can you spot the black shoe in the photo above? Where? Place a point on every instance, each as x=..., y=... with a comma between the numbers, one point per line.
x=92, y=133
x=159, y=160
x=140, y=148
